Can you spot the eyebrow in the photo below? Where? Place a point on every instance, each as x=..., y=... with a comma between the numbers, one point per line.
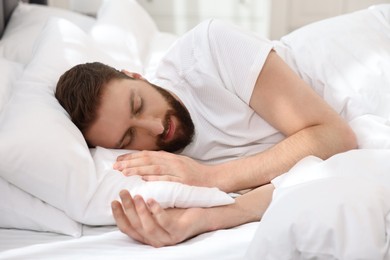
x=131, y=101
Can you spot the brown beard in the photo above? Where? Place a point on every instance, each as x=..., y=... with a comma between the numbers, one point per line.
x=184, y=130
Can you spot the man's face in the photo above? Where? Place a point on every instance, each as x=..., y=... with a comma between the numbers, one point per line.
x=135, y=115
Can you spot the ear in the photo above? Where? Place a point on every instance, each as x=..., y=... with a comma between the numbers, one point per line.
x=133, y=75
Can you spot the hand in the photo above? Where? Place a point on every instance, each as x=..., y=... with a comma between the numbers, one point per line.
x=148, y=223
x=164, y=166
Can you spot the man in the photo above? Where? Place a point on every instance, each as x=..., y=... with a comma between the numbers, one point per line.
x=230, y=107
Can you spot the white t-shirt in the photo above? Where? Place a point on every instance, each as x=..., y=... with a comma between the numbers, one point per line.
x=213, y=70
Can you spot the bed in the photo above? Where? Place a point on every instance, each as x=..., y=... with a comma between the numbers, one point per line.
x=56, y=192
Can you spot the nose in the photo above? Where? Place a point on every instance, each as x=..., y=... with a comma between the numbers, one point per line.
x=153, y=125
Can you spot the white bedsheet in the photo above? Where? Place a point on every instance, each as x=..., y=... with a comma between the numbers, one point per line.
x=108, y=243
x=280, y=234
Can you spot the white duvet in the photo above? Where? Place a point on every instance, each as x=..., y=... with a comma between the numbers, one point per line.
x=338, y=208
x=333, y=209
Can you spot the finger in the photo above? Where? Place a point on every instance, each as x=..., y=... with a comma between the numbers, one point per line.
x=130, y=210
x=159, y=214
x=141, y=154
x=122, y=222
x=145, y=158
x=125, y=156
x=174, y=235
x=158, y=170
x=153, y=233
x=161, y=178
x=131, y=162
x=133, y=155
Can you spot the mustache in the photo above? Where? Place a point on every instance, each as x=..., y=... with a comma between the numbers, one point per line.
x=166, y=123
x=185, y=128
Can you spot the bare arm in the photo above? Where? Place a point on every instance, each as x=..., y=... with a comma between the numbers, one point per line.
x=284, y=100
x=148, y=223
x=310, y=125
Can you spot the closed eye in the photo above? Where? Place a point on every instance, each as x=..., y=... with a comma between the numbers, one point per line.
x=135, y=106
x=128, y=138
x=138, y=105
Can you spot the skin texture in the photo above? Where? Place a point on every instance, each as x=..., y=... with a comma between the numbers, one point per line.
x=136, y=115
x=280, y=97
x=148, y=223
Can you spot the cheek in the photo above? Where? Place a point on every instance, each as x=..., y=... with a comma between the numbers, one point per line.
x=157, y=104
x=143, y=143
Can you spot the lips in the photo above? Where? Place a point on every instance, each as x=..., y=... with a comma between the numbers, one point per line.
x=170, y=130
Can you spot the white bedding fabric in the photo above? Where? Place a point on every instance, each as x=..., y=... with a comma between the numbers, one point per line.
x=333, y=209
x=27, y=23
x=52, y=153
x=108, y=243
x=338, y=208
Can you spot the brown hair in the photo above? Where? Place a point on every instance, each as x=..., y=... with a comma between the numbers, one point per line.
x=79, y=90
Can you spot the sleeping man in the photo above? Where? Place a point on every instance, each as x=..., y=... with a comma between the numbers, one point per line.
x=223, y=110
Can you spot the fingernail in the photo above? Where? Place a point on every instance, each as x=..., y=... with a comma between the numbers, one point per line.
x=150, y=203
x=122, y=193
x=114, y=205
x=117, y=166
x=126, y=172
x=138, y=200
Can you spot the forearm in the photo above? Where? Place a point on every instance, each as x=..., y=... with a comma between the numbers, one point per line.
x=151, y=224
x=289, y=104
x=322, y=141
x=247, y=208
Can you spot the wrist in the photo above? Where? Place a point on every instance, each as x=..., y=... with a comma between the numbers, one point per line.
x=213, y=177
x=221, y=178
x=205, y=220
x=229, y=176
x=211, y=219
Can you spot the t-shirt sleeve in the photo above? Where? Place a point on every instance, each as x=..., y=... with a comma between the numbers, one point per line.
x=238, y=56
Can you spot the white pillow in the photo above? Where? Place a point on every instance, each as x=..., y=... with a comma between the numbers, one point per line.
x=10, y=71
x=342, y=214
x=123, y=27
x=43, y=152
x=62, y=45
x=26, y=24
x=168, y=194
x=346, y=59
x=20, y=210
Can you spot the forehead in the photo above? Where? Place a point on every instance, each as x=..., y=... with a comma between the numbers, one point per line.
x=111, y=113
x=115, y=89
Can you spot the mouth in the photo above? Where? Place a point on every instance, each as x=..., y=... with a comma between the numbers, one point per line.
x=169, y=130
